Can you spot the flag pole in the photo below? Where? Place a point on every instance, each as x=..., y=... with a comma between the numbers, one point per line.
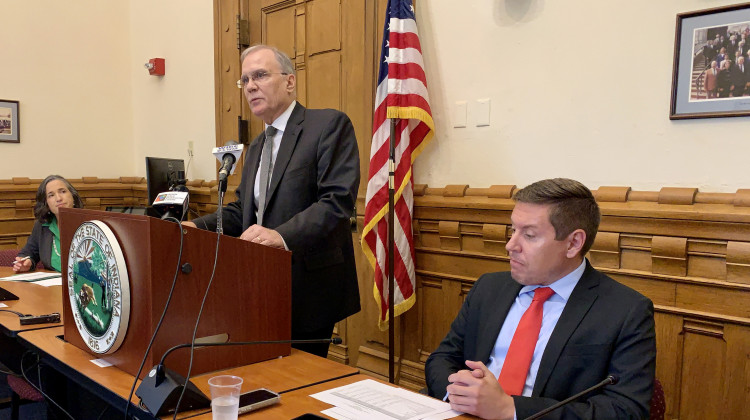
x=391, y=276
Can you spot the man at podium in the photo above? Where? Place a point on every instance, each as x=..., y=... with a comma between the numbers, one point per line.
x=298, y=189
x=551, y=327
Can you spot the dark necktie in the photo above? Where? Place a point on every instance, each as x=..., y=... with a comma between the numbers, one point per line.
x=266, y=167
x=518, y=360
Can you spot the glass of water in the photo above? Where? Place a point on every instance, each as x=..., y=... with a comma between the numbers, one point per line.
x=225, y=396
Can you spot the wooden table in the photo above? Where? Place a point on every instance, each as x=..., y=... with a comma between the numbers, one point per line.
x=32, y=299
x=112, y=385
x=298, y=402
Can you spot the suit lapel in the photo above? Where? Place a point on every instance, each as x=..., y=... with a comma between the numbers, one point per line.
x=583, y=296
x=494, y=320
x=288, y=142
x=252, y=161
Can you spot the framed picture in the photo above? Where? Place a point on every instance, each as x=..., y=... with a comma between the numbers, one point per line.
x=711, y=76
x=9, y=122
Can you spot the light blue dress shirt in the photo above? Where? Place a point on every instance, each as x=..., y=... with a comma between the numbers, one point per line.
x=553, y=308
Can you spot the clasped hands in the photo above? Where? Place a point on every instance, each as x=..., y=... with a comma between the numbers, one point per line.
x=477, y=392
x=257, y=234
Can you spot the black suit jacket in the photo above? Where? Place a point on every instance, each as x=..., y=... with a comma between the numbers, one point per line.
x=605, y=328
x=309, y=202
x=39, y=246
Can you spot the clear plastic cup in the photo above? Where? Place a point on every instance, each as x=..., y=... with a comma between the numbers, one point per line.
x=225, y=396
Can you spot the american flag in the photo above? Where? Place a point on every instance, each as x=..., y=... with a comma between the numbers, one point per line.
x=401, y=95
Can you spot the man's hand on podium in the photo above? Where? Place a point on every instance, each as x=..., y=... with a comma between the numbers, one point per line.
x=191, y=224
x=263, y=236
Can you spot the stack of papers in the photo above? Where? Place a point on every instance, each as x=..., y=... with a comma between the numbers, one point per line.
x=40, y=278
x=372, y=400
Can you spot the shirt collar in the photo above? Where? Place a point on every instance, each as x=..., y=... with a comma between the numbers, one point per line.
x=564, y=286
x=280, y=123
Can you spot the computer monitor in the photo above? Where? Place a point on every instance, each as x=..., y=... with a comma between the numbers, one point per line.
x=161, y=174
x=128, y=209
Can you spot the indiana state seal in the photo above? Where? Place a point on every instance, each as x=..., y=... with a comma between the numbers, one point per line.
x=98, y=287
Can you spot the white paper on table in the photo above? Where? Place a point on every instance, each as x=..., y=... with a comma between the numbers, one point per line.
x=444, y=415
x=32, y=277
x=339, y=413
x=50, y=282
x=100, y=362
x=369, y=399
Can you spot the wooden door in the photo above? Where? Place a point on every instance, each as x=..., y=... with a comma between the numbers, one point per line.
x=332, y=45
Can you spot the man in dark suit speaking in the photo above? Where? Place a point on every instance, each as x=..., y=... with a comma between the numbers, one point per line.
x=298, y=190
x=550, y=328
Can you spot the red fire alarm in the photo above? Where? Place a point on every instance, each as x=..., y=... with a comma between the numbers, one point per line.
x=155, y=66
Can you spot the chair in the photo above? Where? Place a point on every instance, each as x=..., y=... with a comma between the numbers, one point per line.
x=7, y=256
x=658, y=403
x=22, y=392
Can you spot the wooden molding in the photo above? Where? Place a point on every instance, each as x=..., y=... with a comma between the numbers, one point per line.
x=671, y=195
x=612, y=194
x=450, y=237
x=605, y=252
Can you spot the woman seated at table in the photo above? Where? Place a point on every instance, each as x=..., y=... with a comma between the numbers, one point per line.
x=44, y=243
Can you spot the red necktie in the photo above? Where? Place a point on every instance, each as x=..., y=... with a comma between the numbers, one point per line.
x=513, y=374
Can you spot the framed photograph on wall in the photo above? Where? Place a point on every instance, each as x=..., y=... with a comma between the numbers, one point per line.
x=711, y=76
x=9, y=122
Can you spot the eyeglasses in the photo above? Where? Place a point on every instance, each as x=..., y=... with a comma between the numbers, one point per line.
x=258, y=76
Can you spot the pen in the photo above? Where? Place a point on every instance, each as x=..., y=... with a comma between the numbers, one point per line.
x=21, y=260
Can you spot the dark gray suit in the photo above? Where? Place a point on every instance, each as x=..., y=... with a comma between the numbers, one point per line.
x=310, y=200
x=605, y=328
x=39, y=246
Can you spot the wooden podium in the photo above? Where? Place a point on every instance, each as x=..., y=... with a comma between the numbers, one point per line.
x=249, y=300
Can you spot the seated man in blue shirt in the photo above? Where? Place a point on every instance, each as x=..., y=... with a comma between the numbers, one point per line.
x=551, y=327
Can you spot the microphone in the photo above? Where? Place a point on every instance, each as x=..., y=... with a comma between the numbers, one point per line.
x=609, y=380
x=172, y=204
x=161, y=388
x=227, y=155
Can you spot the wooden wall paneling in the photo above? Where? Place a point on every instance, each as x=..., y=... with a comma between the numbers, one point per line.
x=738, y=262
x=716, y=297
x=450, y=238
x=605, y=252
x=494, y=238
x=300, y=34
x=324, y=14
x=227, y=70
x=669, y=342
x=324, y=80
x=635, y=252
x=707, y=258
x=358, y=76
x=736, y=397
x=701, y=375
x=279, y=26
x=673, y=195
x=457, y=263
x=660, y=291
x=669, y=255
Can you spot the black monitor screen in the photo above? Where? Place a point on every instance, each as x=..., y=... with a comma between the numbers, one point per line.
x=161, y=174
x=127, y=209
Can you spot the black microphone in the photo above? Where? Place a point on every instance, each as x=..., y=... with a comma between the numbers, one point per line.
x=227, y=161
x=610, y=380
x=161, y=388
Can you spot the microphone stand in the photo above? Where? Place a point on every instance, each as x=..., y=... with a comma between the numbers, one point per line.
x=611, y=379
x=219, y=213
